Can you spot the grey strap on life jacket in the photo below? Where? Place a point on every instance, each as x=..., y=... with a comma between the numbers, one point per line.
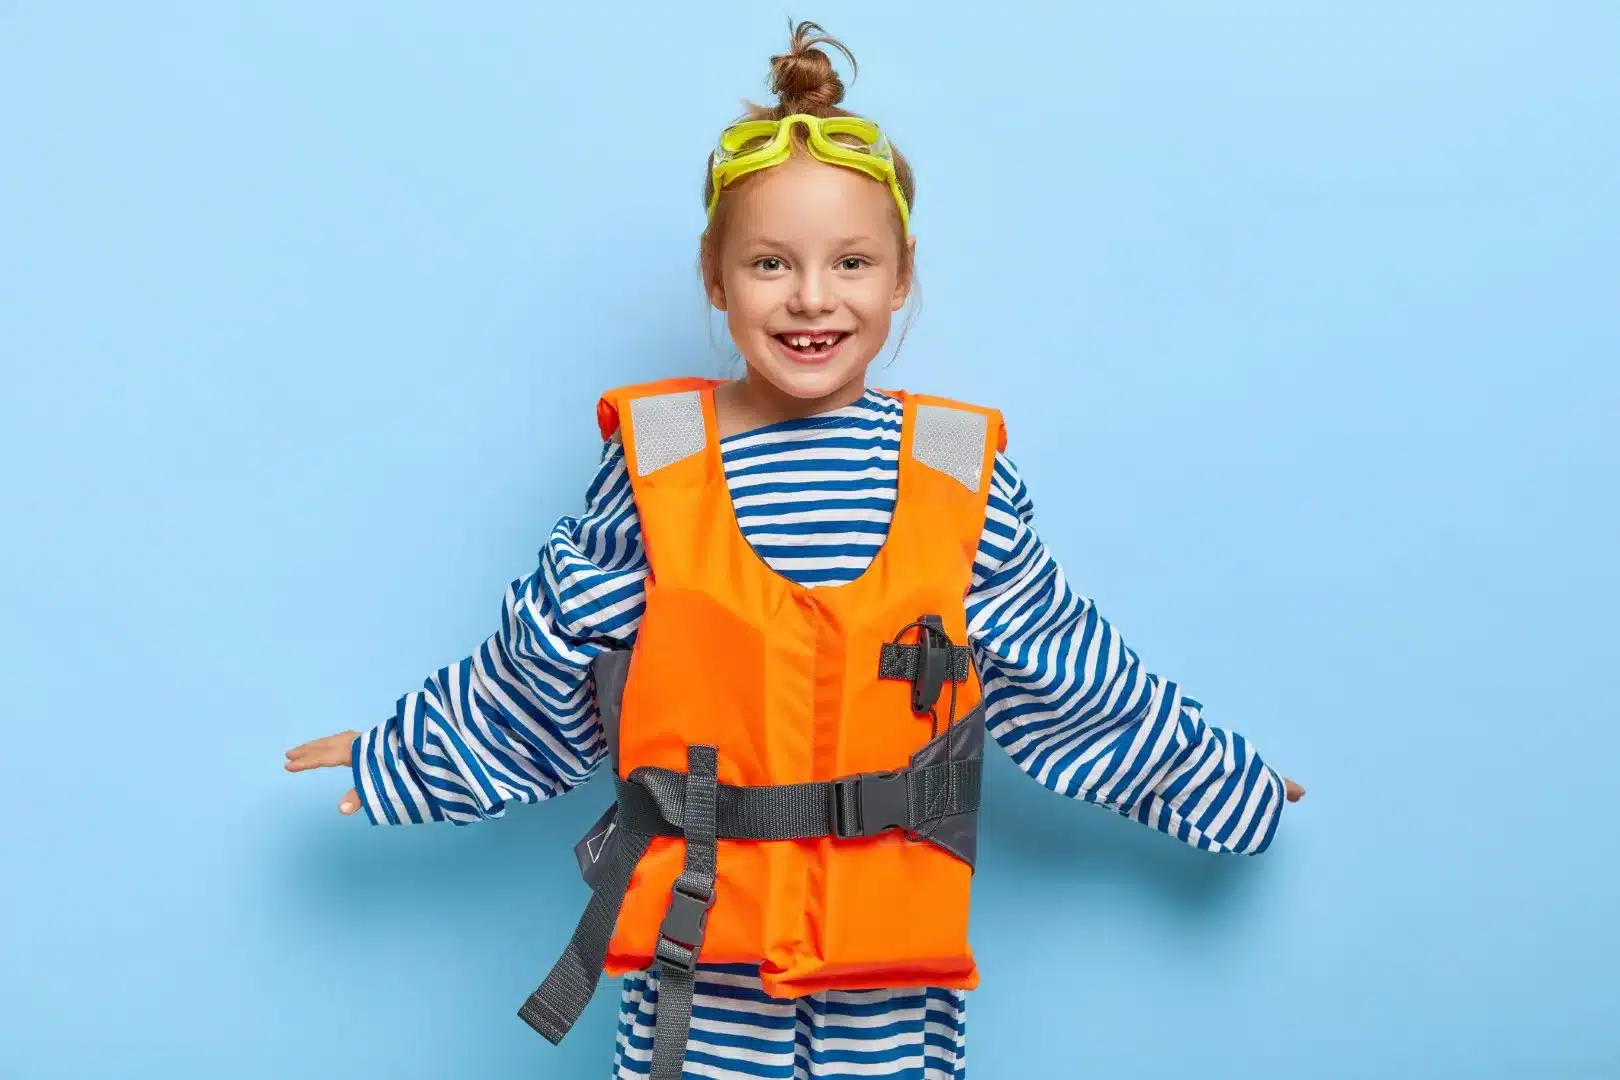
x=933, y=799
x=653, y=802
x=555, y=1007
x=680, y=937
x=898, y=661
x=952, y=442
x=667, y=428
x=663, y=802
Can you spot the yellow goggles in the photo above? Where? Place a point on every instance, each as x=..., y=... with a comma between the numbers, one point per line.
x=849, y=141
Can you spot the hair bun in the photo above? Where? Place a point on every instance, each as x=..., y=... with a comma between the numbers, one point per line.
x=805, y=77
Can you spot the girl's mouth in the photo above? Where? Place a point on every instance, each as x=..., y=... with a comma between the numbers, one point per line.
x=811, y=347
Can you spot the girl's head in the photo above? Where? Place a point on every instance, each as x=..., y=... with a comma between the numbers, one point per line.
x=809, y=260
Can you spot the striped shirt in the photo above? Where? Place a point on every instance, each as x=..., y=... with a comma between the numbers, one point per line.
x=1064, y=697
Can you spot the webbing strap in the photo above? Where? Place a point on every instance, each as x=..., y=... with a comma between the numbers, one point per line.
x=680, y=939
x=896, y=661
x=652, y=802
x=663, y=802
x=556, y=1006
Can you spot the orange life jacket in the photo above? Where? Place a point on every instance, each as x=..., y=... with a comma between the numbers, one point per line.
x=797, y=768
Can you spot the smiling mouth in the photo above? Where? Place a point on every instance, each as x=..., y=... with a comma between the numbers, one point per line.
x=816, y=345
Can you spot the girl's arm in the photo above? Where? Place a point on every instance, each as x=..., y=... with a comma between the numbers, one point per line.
x=517, y=720
x=1075, y=708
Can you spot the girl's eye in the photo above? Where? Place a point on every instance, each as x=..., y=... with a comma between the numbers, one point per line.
x=854, y=262
x=770, y=264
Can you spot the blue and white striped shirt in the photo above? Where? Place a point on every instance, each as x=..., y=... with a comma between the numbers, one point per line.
x=1064, y=696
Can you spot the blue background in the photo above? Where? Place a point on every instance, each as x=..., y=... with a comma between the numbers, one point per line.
x=1305, y=323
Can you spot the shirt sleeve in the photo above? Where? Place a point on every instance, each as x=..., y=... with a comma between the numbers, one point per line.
x=1075, y=708
x=517, y=721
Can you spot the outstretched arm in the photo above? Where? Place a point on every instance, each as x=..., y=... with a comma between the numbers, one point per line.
x=516, y=721
x=1078, y=711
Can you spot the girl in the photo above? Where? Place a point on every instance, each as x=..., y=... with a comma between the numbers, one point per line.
x=835, y=503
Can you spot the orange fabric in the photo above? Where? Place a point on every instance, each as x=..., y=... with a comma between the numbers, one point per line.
x=783, y=680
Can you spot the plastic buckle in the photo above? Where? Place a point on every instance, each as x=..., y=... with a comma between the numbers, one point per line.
x=879, y=802
x=935, y=661
x=685, y=922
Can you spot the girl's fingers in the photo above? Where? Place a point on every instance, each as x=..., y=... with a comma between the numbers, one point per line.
x=330, y=751
x=298, y=761
x=1293, y=790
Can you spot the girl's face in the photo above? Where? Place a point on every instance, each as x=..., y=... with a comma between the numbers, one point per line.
x=809, y=275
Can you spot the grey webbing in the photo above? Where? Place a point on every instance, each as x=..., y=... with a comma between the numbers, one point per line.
x=680, y=939
x=944, y=790
x=897, y=661
x=652, y=802
x=663, y=802
x=556, y=1006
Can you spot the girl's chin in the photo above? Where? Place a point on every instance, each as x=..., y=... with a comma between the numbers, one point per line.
x=810, y=381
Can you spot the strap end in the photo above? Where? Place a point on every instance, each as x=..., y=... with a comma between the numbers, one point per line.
x=539, y=1016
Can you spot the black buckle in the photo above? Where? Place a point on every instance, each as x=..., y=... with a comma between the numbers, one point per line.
x=935, y=659
x=870, y=803
x=685, y=921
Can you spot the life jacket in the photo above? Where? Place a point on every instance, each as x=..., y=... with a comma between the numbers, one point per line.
x=797, y=768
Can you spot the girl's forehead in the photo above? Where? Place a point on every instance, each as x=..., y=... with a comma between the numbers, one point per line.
x=806, y=197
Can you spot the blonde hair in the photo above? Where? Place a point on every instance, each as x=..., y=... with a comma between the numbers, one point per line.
x=804, y=81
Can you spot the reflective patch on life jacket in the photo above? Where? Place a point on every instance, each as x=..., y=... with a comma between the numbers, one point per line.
x=666, y=428
x=952, y=442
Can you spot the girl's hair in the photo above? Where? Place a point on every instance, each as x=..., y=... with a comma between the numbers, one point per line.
x=804, y=81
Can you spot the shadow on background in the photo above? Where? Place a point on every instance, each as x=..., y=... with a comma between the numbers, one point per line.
x=468, y=919
x=529, y=851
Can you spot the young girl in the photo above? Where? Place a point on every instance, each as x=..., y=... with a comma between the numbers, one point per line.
x=831, y=593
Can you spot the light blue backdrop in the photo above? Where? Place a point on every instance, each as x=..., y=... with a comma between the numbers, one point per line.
x=1305, y=322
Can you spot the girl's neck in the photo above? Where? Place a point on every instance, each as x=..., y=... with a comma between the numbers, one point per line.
x=755, y=402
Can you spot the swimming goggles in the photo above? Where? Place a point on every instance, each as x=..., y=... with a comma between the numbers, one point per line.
x=850, y=141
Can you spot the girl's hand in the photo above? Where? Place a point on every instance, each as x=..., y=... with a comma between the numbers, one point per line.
x=1293, y=790
x=332, y=751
